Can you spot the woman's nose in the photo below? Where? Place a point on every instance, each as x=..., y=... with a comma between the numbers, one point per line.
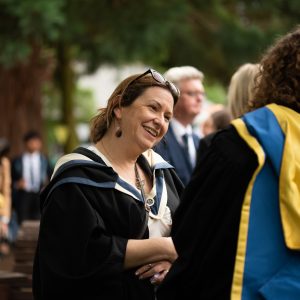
x=159, y=120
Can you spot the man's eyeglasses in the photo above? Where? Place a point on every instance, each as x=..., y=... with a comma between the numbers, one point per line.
x=160, y=79
x=193, y=94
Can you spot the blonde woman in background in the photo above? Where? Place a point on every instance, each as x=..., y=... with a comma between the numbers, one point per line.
x=241, y=88
x=239, y=98
x=5, y=196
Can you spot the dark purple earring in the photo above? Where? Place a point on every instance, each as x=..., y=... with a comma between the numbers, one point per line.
x=118, y=132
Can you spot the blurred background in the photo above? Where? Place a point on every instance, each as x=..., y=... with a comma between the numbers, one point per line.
x=61, y=59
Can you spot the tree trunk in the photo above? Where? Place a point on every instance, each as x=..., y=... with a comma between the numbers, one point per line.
x=21, y=98
x=66, y=78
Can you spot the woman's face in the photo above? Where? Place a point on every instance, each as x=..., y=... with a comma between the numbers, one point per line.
x=147, y=119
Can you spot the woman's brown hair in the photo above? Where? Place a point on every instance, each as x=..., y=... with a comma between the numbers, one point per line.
x=279, y=74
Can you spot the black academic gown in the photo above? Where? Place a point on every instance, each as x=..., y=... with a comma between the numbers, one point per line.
x=85, y=225
x=205, y=226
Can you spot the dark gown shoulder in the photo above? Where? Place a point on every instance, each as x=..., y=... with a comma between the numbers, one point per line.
x=206, y=224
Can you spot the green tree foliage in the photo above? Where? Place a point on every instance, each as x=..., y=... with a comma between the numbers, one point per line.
x=92, y=31
x=24, y=23
x=219, y=35
x=216, y=36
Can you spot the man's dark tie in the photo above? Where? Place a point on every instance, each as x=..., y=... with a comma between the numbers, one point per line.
x=185, y=139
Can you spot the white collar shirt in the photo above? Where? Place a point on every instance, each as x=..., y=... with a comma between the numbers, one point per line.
x=179, y=131
x=32, y=171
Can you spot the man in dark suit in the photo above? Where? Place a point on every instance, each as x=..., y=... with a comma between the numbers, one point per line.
x=30, y=172
x=180, y=143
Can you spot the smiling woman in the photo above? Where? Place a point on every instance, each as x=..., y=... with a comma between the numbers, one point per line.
x=105, y=201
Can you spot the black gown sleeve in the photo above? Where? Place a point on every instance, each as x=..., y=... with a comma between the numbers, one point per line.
x=76, y=252
x=206, y=224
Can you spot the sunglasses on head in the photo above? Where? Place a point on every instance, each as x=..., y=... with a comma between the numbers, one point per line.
x=160, y=79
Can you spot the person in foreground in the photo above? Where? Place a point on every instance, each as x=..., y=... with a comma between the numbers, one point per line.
x=243, y=202
x=107, y=212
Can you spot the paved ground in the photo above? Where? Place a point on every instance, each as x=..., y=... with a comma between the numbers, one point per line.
x=7, y=262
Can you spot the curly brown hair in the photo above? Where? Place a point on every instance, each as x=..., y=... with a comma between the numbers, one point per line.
x=278, y=79
x=123, y=95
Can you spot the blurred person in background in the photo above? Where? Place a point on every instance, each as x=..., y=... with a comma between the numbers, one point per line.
x=5, y=196
x=243, y=201
x=107, y=211
x=218, y=120
x=30, y=172
x=239, y=97
x=180, y=143
x=241, y=89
